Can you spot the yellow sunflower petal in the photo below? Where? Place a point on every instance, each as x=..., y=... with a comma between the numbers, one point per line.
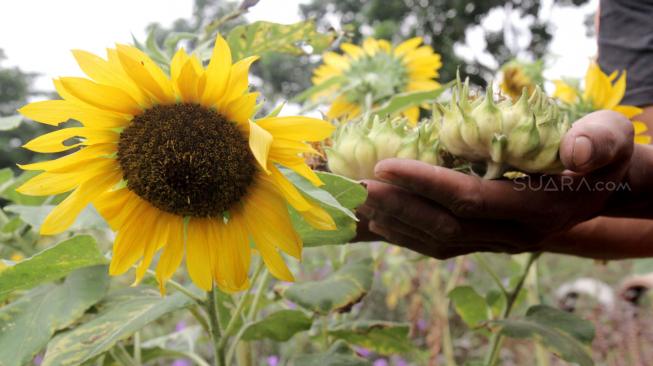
x=352, y=50
x=198, y=253
x=146, y=74
x=407, y=46
x=54, y=112
x=640, y=127
x=107, y=73
x=173, y=252
x=272, y=223
x=234, y=253
x=129, y=246
x=272, y=259
x=177, y=63
x=48, y=183
x=596, y=86
x=318, y=218
x=297, y=128
x=217, y=72
x=643, y=139
x=100, y=96
x=335, y=60
x=72, y=161
x=65, y=213
x=241, y=109
x=298, y=165
x=238, y=82
x=616, y=93
x=565, y=92
x=160, y=230
x=628, y=110
x=115, y=205
x=371, y=46
x=412, y=114
x=288, y=190
x=187, y=83
x=54, y=141
x=260, y=141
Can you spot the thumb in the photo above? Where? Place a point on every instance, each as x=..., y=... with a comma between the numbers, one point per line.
x=597, y=140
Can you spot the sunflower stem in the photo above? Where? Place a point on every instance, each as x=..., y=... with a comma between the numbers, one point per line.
x=216, y=336
x=511, y=298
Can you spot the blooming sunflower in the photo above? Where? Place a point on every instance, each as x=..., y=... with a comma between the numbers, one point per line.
x=601, y=91
x=175, y=162
x=371, y=74
x=518, y=75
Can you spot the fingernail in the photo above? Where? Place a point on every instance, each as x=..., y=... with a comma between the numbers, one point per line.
x=582, y=152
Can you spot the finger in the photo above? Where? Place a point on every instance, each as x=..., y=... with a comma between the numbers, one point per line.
x=597, y=140
x=363, y=233
x=415, y=216
x=434, y=250
x=468, y=196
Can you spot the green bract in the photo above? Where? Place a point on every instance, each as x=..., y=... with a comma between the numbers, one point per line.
x=498, y=137
x=360, y=144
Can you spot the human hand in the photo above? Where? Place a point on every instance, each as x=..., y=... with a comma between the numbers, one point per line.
x=443, y=213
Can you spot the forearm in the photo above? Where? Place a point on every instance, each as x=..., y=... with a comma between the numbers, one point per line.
x=605, y=238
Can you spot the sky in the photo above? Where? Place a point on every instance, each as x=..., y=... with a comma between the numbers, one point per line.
x=37, y=35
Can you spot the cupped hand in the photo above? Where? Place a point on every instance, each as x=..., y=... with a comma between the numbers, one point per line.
x=443, y=213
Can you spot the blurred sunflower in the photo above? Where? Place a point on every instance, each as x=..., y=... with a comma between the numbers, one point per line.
x=371, y=74
x=601, y=91
x=176, y=163
x=518, y=75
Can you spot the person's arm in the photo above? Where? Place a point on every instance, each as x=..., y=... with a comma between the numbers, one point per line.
x=443, y=213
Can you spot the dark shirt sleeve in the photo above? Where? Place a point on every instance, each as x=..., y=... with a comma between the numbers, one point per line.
x=626, y=43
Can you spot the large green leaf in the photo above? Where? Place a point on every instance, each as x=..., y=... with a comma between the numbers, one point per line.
x=404, y=101
x=325, y=85
x=563, y=334
x=125, y=313
x=51, y=264
x=337, y=292
x=89, y=218
x=261, y=37
x=339, y=354
x=339, y=197
x=386, y=338
x=10, y=122
x=471, y=306
x=279, y=326
x=26, y=325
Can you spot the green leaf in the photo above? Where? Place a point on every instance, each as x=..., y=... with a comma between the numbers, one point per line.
x=89, y=218
x=339, y=354
x=9, y=193
x=569, y=323
x=27, y=325
x=261, y=37
x=560, y=332
x=51, y=264
x=10, y=122
x=279, y=326
x=386, y=338
x=348, y=194
x=12, y=225
x=471, y=306
x=403, y=101
x=321, y=195
x=125, y=312
x=337, y=292
x=6, y=178
x=496, y=301
x=325, y=85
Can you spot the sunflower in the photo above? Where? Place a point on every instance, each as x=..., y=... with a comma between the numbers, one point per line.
x=371, y=74
x=601, y=91
x=518, y=75
x=175, y=162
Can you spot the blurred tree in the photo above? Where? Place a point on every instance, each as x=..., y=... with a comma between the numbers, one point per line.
x=443, y=24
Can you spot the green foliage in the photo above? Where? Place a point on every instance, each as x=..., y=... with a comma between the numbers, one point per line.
x=51, y=264
x=471, y=306
x=279, y=326
x=122, y=314
x=562, y=333
x=403, y=101
x=337, y=292
x=386, y=338
x=260, y=38
x=339, y=196
x=26, y=325
x=339, y=354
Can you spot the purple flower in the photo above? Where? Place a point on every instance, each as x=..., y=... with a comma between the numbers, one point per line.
x=182, y=362
x=181, y=325
x=273, y=360
x=422, y=324
x=380, y=362
x=363, y=352
x=38, y=360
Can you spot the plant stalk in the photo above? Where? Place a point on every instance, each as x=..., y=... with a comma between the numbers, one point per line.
x=497, y=338
x=216, y=334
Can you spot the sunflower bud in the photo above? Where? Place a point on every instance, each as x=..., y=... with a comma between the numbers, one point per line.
x=358, y=145
x=524, y=135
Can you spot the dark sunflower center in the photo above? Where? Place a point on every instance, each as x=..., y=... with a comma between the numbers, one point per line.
x=186, y=159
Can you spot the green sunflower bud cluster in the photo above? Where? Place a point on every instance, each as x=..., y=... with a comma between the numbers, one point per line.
x=358, y=145
x=498, y=137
